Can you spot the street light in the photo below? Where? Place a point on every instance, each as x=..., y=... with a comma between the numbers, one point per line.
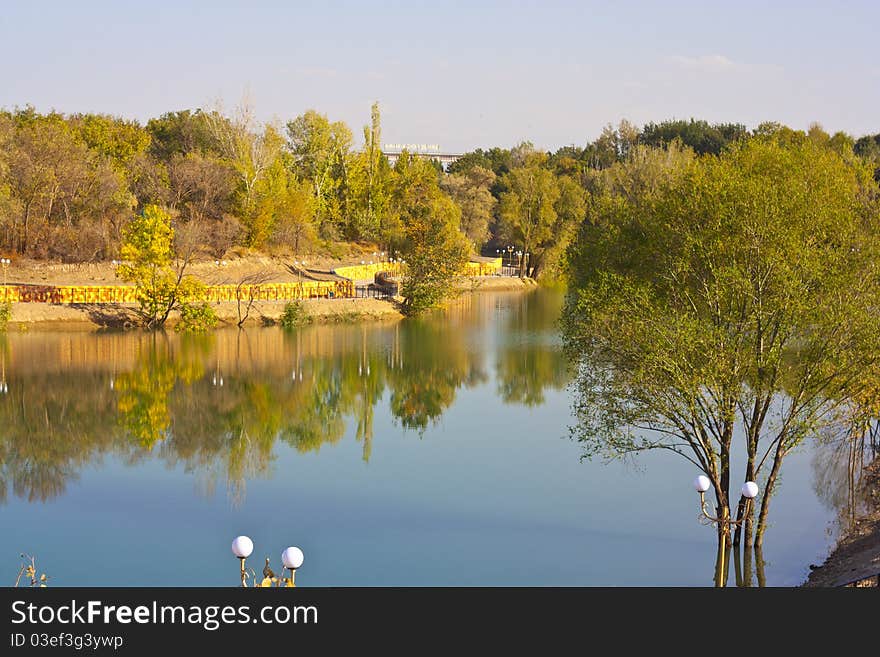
x=242, y=547
x=292, y=558
x=749, y=491
x=5, y=262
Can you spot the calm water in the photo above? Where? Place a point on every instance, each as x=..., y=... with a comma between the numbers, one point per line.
x=431, y=452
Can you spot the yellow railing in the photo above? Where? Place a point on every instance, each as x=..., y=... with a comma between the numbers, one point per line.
x=367, y=272
x=98, y=294
x=483, y=268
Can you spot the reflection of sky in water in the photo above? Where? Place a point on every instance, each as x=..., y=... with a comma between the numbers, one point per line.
x=488, y=493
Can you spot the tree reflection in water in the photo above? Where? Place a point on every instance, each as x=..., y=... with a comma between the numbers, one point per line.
x=218, y=405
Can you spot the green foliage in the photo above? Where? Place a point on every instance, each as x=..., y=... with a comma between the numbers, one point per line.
x=294, y=315
x=698, y=135
x=181, y=133
x=538, y=212
x=705, y=296
x=471, y=191
x=434, y=249
x=196, y=316
x=5, y=314
x=69, y=184
x=319, y=152
x=148, y=260
x=147, y=254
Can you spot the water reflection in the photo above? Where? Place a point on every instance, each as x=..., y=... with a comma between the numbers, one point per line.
x=838, y=469
x=218, y=405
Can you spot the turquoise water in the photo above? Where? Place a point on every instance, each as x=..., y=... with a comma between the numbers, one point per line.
x=430, y=452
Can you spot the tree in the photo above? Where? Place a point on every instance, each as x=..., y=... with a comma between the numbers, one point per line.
x=734, y=293
x=148, y=262
x=527, y=211
x=434, y=249
x=868, y=148
x=252, y=151
x=471, y=192
x=319, y=150
x=68, y=200
x=698, y=135
x=295, y=225
x=367, y=186
x=497, y=160
x=546, y=255
x=181, y=133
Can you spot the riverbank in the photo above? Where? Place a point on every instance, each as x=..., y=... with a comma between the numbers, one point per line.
x=87, y=317
x=856, y=559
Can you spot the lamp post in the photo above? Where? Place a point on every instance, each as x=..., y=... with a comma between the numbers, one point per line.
x=5, y=262
x=749, y=491
x=242, y=547
x=291, y=558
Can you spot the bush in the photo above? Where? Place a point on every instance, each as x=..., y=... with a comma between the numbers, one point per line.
x=5, y=314
x=294, y=315
x=196, y=318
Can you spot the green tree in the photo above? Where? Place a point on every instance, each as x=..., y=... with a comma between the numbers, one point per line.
x=698, y=135
x=162, y=284
x=471, y=191
x=527, y=210
x=253, y=151
x=368, y=186
x=434, y=249
x=734, y=293
x=320, y=150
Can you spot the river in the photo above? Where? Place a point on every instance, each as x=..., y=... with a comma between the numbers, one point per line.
x=423, y=452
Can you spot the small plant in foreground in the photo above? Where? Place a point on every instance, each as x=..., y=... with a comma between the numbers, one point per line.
x=294, y=315
x=29, y=570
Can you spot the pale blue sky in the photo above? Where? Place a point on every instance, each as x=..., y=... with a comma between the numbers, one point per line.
x=461, y=74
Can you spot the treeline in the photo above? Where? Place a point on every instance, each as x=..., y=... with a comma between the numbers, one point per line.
x=69, y=184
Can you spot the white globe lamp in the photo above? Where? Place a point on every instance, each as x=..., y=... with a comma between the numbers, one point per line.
x=292, y=558
x=750, y=490
x=702, y=483
x=242, y=547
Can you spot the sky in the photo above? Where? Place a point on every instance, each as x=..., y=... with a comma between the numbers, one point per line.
x=459, y=74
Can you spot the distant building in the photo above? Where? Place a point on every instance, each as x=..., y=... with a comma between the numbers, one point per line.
x=430, y=151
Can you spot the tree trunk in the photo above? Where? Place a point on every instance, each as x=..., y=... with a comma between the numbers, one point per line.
x=759, y=565
x=741, y=506
x=768, y=492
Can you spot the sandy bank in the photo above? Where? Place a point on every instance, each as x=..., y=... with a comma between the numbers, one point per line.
x=95, y=316
x=857, y=555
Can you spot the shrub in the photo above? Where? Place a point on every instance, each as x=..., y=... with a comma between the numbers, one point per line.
x=5, y=314
x=294, y=315
x=196, y=318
